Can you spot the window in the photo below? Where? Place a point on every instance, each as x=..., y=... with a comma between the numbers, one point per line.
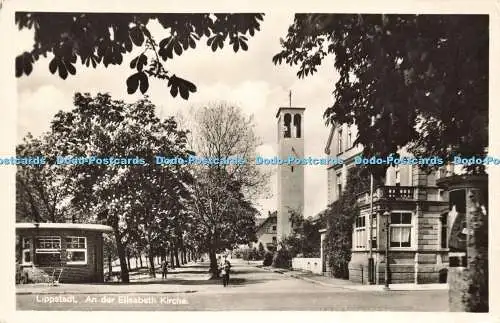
x=48, y=250
x=374, y=230
x=339, y=185
x=398, y=175
x=296, y=124
x=48, y=244
x=288, y=128
x=339, y=141
x=457, y=198
x=274, y=239
x=76, y=250
x=360, y=232
x=349, y=138
x=444, y=230
x=401, y=227
x=26, y=252
x=274, y=228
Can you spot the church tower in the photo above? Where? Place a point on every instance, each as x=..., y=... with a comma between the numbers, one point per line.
x=290, y=176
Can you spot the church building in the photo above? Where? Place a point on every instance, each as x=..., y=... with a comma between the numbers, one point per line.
x=290, y=176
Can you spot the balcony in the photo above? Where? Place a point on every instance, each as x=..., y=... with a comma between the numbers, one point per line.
x=396, y=192
x=401, y=193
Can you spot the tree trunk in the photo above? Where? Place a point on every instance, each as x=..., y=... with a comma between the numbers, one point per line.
x=214, y=268
x=163, y=254
x=152, y=264
x=176, y=253
x=140, y=260
x=477, y=299
x=172, y=258
x=110, y=265
x=184, y=256
x=182, y=251
x=121, y=255
x=468, y=284
x=128, y=260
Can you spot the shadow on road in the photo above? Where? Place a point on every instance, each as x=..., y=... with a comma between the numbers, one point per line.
x=187, y=282
x=197, y=274
x=247, y=271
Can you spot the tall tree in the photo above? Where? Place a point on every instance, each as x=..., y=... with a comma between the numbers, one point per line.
x=224, y=217
x=104, y=38
x=132, y=199
x=416, y=80
x=221, y=130
x=223, y=192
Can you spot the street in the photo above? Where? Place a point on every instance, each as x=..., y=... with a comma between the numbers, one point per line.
x=251, y=288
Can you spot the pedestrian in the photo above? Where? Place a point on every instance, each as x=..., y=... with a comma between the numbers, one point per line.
x=164, y=269
x=226, y=268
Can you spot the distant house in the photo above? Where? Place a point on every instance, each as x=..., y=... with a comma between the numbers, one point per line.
x=266, y=232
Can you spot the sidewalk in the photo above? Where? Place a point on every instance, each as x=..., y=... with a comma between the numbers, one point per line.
x=179, y=280
x=346, y=284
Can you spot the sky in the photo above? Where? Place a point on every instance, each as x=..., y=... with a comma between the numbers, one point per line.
x=248, y=79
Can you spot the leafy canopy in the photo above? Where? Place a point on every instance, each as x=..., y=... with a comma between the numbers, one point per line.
x=305, y=238
x=104, y=38
x=222, y=199
x=416, y=80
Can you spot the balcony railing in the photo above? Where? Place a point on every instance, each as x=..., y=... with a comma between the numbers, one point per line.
x=396, y=192
x=389, y=192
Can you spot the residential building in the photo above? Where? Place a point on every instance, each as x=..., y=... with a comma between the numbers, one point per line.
x=267, y=232
x=409, y=202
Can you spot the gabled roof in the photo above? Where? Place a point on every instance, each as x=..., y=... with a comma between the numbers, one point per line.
x=259, y=221
x=271, y=216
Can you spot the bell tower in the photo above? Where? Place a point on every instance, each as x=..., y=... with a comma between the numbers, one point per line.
x=290, y=176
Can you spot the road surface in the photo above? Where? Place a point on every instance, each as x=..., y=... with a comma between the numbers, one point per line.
x=251, y=289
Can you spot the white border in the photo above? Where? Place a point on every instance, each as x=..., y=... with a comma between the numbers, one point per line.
x=8, y=124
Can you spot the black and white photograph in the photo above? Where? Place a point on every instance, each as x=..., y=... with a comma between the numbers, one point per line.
x=251, y=161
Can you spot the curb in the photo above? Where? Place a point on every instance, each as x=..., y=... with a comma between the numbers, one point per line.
x=369, y=288
x=359, y=288
x=291, y=274
x=319, y=282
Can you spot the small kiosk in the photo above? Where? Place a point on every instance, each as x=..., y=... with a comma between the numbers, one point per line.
x=61, y=252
